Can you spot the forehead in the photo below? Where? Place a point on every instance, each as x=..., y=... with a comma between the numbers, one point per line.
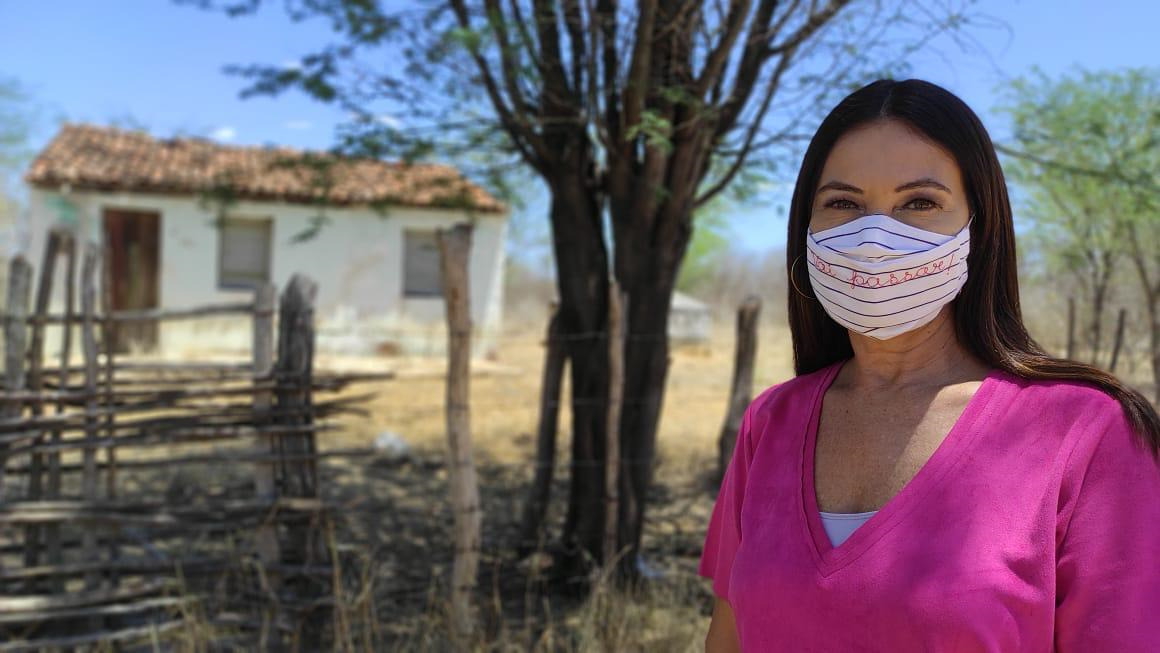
x=888, y=153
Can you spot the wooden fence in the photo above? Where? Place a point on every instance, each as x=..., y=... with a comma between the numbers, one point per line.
x=142, y=500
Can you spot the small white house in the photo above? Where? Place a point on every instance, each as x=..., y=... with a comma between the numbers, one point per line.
x=690, y=320
x=189, y=222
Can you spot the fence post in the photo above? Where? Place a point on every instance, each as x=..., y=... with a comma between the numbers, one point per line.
x=266, y=535
x=454, y=250
x=15, y=345
x=52, y=530
x=32, y=532
x=295, y=468
x=89, y=345
x=741, y=390
x=296, y=474
x=109, y=347
x=617, y=314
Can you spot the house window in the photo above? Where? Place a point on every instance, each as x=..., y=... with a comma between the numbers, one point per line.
x=421, y=276
x=244, y=252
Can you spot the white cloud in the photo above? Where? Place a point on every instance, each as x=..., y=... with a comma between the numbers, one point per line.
x=297, y=124
x=389, y=121
x=224, y=134
x=291, y=64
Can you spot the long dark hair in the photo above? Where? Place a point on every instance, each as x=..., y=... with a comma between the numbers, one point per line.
x=987, y=318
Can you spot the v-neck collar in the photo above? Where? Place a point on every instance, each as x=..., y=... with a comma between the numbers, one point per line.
x=830, y=558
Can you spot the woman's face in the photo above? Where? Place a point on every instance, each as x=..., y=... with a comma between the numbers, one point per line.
x=887, y=168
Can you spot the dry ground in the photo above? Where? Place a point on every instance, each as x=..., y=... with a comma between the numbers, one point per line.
x=505, y=398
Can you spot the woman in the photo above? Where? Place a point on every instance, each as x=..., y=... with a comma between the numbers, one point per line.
x=931, y=480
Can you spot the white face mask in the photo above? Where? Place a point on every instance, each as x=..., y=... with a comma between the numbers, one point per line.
x=881, y=277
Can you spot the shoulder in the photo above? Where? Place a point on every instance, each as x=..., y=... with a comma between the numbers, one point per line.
x=1087, y=423
x=1108, y=471
x=1068, y=409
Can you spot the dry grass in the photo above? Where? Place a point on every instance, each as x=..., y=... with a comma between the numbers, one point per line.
x=405, y=525
x=665, y=619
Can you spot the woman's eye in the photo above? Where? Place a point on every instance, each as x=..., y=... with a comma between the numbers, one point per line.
x=841, y=204
x=920, y=204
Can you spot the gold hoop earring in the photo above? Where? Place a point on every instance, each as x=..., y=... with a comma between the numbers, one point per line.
x=793, y=281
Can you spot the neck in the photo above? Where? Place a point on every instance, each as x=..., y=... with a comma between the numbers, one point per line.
x=929, y=355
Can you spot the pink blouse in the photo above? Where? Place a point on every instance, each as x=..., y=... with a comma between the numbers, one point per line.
x=1035, y=526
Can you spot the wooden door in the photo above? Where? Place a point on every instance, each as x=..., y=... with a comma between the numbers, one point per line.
x=133, y=254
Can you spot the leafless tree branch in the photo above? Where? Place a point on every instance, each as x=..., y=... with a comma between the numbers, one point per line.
x=754, y=127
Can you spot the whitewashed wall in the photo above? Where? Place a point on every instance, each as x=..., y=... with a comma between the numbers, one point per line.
x=356, y=259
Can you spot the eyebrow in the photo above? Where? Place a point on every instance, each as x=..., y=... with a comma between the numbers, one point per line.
x=925, y=182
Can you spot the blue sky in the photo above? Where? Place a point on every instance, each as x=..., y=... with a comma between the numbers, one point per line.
x=160, y=65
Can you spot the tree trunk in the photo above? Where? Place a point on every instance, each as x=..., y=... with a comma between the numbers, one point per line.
x=1095, y=330
x=646, y=369
x=647, y=275
x=1151, y=291
x=582, y=283
x=540, y=492
x=1101, y=277
x=1070, y=328
x=1154, y=322
x=1119, y=341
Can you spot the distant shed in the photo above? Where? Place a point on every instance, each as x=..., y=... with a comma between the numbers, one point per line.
x=690, y=320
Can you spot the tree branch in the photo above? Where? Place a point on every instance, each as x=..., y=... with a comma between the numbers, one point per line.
x=751, y=132
x=592, y=87
x=1151, y=290
x=638, y=70
x=1063, y=206
x=525, y=35
x=529, y=144
x=606, y=13
x=785, y=16
x=715, y=61
x=558, y=98
x=574, y=23
x=1105, y=175
x=813, y=24
x=752, y=57
x=510, y=77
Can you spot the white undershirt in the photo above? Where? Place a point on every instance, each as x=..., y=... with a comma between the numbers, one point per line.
x=840, y=525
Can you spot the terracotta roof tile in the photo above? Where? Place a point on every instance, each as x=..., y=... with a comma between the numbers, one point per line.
x=88, y=157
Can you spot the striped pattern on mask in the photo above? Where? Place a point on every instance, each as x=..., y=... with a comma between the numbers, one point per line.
x=881, y=277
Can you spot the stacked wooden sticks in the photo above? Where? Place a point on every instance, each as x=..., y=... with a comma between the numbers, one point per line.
x=138, y=496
